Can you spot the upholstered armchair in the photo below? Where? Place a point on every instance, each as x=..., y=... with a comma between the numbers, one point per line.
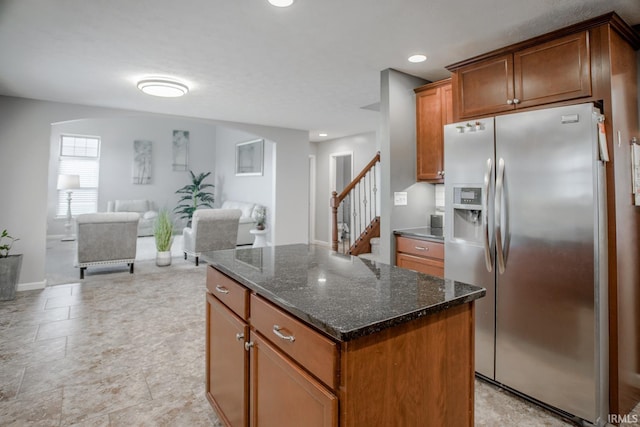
x=211, y=230
x=106, y=238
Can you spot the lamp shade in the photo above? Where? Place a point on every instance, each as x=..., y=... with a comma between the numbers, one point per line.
x=68, y=182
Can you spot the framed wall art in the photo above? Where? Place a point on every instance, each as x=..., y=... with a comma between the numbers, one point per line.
x=180, y=150
x=141, y=162
x=249, y=158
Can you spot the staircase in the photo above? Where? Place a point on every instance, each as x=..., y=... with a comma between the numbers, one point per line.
x=355, y=213
x=374, y=255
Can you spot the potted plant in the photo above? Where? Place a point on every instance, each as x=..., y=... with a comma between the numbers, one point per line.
x=260, y=217
x=163, y=233
x=194, y=197
x=9, y=267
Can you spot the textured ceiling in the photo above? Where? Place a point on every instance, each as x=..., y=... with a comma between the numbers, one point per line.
x=311, y=66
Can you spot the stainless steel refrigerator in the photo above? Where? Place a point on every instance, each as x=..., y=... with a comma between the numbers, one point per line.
x=525, y=218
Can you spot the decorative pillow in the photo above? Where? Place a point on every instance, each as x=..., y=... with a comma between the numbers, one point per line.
x=150, y=215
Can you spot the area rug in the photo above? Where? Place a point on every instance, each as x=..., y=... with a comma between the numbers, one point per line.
x=59, y=267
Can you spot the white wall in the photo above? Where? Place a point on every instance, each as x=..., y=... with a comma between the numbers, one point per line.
x=116, y=159
x=364, y=147
x=398, y=160
x=256, y=189
x=25, y=132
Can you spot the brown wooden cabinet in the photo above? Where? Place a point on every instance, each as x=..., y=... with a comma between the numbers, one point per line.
x=283, y=394
x=424, y=256
x=251, y=381
x=266, y=367
x=434, y=109
x=554, y=71
x=227, y=377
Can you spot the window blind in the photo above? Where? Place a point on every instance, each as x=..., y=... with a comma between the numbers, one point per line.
x=79, y=156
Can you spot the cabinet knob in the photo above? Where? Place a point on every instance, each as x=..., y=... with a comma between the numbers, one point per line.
x=248, y=345
x=240, y=336
x=441, y=173
x=516, y=101
x=509, y=101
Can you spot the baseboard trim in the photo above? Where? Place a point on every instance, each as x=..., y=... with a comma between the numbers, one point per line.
x=31, y=286
x=320, y=243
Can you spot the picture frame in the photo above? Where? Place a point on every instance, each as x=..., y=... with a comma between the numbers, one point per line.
x=180, y=150
x=250, y=158
x=142, y=151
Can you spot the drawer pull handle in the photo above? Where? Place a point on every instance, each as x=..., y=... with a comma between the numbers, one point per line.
x=421, y=248
x=222, y=289
x=276, y=330
x=239, y=336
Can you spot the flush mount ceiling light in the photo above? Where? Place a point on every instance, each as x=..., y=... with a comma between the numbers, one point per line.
x=323, y=134
x=281, y=3
x=163, y=87
x=417, y=58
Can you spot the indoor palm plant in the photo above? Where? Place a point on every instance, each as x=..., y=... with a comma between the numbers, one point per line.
x=163, y=233
x=194, y=196
x=9, y=267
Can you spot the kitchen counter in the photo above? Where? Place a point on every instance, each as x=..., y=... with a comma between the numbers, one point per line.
x=423, y=233
x=343, y=296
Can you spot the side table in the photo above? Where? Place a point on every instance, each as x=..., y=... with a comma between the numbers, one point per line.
x=260, y=237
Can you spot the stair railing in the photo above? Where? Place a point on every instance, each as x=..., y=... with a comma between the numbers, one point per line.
x=358, y=200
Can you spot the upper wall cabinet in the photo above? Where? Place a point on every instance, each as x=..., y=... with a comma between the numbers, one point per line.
x=553, y=71
x=434, y=109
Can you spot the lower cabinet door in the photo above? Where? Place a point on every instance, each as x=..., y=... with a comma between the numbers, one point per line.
x=283, y=394
x=227, y=363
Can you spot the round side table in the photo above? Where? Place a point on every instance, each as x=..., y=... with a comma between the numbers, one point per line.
x=260, y=240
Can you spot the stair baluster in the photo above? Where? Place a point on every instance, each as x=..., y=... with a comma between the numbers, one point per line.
x=365, y=223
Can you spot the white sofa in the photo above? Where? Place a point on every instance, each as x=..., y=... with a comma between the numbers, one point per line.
x=144, y=208
x=247, y=219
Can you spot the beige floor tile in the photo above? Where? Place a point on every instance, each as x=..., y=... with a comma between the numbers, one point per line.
x=33, y=410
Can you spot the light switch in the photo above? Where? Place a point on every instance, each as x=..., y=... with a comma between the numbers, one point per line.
x=400, y=198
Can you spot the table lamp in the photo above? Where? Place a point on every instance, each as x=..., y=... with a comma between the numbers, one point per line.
x=68, y=183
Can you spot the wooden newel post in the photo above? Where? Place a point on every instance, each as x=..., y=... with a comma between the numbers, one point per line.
x=334, y=220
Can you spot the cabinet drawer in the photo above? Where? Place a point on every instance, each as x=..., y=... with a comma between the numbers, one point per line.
x=316, y=353
x=421, y=265
x=231, y=293
x=421, y=248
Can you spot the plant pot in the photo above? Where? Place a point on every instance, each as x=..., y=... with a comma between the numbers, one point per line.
x=9, y=276
x=163, y=259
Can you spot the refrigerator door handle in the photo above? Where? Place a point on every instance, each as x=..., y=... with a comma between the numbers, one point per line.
x=498, y=217
x=485, y=218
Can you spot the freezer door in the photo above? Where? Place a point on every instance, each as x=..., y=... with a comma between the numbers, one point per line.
x=545, y=199
x=469, y=162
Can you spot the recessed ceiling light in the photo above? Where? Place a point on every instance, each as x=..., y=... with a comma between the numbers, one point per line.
x=323, y=134
x=417, y=58
x=163, y=87
x=281, y=3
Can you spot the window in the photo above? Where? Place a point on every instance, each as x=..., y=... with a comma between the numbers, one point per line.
x=80, y=155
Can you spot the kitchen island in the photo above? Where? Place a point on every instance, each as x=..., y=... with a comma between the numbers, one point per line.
x=301, y=335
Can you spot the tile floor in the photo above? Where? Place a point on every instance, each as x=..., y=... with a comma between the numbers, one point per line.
x=128, y=350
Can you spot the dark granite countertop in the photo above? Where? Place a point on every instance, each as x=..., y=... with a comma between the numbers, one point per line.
x=345, y=297
x=424, y=233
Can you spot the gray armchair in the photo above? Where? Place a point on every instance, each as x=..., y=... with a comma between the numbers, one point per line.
x=211, y=230
x=106, y=238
